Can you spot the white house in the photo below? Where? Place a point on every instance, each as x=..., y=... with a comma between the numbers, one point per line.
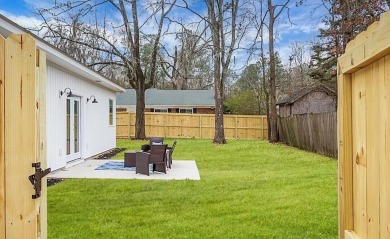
x=79, y=125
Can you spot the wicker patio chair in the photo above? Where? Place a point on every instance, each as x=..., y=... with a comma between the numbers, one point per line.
x=157, y=157
x=170, y=152
x=152, y=141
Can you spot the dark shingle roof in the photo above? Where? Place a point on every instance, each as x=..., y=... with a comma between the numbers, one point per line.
x=298, y=94
x=169, y=97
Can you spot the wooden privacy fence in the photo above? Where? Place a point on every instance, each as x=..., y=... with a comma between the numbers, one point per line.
x=364, y=134
x=313, y=132
x=201, y=126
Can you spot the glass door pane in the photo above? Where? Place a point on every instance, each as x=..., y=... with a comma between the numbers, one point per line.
x=73, y=128
x=76, y=125
x=67, y=126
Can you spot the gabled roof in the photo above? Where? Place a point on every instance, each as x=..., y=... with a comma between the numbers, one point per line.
x=58, y=57
x=298, y=94
x=169, y=98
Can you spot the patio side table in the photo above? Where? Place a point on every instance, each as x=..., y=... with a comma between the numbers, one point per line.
x=130, y=159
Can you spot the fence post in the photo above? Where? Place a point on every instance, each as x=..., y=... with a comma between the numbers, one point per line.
x=262, y=127
x=200, y=126
x=236, y=127
x=129, y=124
x=41, y=134
x=2, y=168
x=165, y=124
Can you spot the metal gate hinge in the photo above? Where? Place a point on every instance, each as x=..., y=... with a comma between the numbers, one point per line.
x=36, y=178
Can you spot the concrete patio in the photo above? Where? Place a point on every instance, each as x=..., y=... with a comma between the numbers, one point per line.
x=181, y=170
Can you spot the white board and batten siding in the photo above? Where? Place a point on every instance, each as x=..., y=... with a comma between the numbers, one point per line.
x=96, y=133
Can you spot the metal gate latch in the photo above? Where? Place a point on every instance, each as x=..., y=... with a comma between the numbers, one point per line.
x=35, y=179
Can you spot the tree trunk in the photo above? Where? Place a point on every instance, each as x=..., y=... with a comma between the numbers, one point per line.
x=264, y=85
x=217, y=37
x=219, y=136
x=273, y=118
x=140, y=113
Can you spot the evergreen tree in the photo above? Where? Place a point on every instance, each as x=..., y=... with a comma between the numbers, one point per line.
x=322, y=65
x=345, y=19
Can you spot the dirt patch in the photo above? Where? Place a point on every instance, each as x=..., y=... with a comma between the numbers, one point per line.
x=109, y=153
x=53, y=181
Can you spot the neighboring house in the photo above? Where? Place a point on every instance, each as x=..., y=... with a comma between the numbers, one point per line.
x=170, y=101
x=77, y=128
x=313, y=99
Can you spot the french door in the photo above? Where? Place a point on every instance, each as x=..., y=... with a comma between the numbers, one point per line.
x=72, y=128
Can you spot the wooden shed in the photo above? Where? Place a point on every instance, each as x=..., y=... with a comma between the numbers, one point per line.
x=312, y=99
x=308, y=119
x=364, y=134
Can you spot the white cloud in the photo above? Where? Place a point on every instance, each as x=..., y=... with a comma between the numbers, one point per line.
x=35, y=4
x=24, y=21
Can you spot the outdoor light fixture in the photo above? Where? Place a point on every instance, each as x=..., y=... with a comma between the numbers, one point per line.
x=69, y=94
x=94, y=99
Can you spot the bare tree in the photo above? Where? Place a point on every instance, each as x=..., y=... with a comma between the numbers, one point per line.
x=299, y=60
x=274, y=12
x=264, y=14
x=120, y=42
x=221, y=15
x=189, y=67
x=227, y=29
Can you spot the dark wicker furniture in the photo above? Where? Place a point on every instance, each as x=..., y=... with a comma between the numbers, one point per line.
x=129, y=159
x=152, y=141
x=157, y=157
x=170, y=152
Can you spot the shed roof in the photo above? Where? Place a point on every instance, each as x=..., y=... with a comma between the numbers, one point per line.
x=58, y=57
x=169, y=98
x=299, y=93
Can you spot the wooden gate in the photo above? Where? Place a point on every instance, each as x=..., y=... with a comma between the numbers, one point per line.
x=22, y=138
x=364, y=134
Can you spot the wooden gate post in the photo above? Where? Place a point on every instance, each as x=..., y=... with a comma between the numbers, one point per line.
x=41, y=136
x=2, y=172
x=23, y=103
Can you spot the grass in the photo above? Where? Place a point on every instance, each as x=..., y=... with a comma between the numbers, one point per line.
x=248, y=189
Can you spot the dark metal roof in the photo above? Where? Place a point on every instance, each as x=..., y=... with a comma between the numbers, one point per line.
x=157, y=97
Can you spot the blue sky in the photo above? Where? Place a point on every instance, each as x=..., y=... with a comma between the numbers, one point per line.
x=16, y=7
x=304, y=28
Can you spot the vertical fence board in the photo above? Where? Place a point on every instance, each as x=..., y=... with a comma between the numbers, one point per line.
x=373, y=106
x=344, y=137
x=359, y=152
x=20, y=136
x=41, y=138
x=385, y=160
x=2, y=168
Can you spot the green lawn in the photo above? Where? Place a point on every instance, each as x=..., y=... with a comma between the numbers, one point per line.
x=248, y=189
